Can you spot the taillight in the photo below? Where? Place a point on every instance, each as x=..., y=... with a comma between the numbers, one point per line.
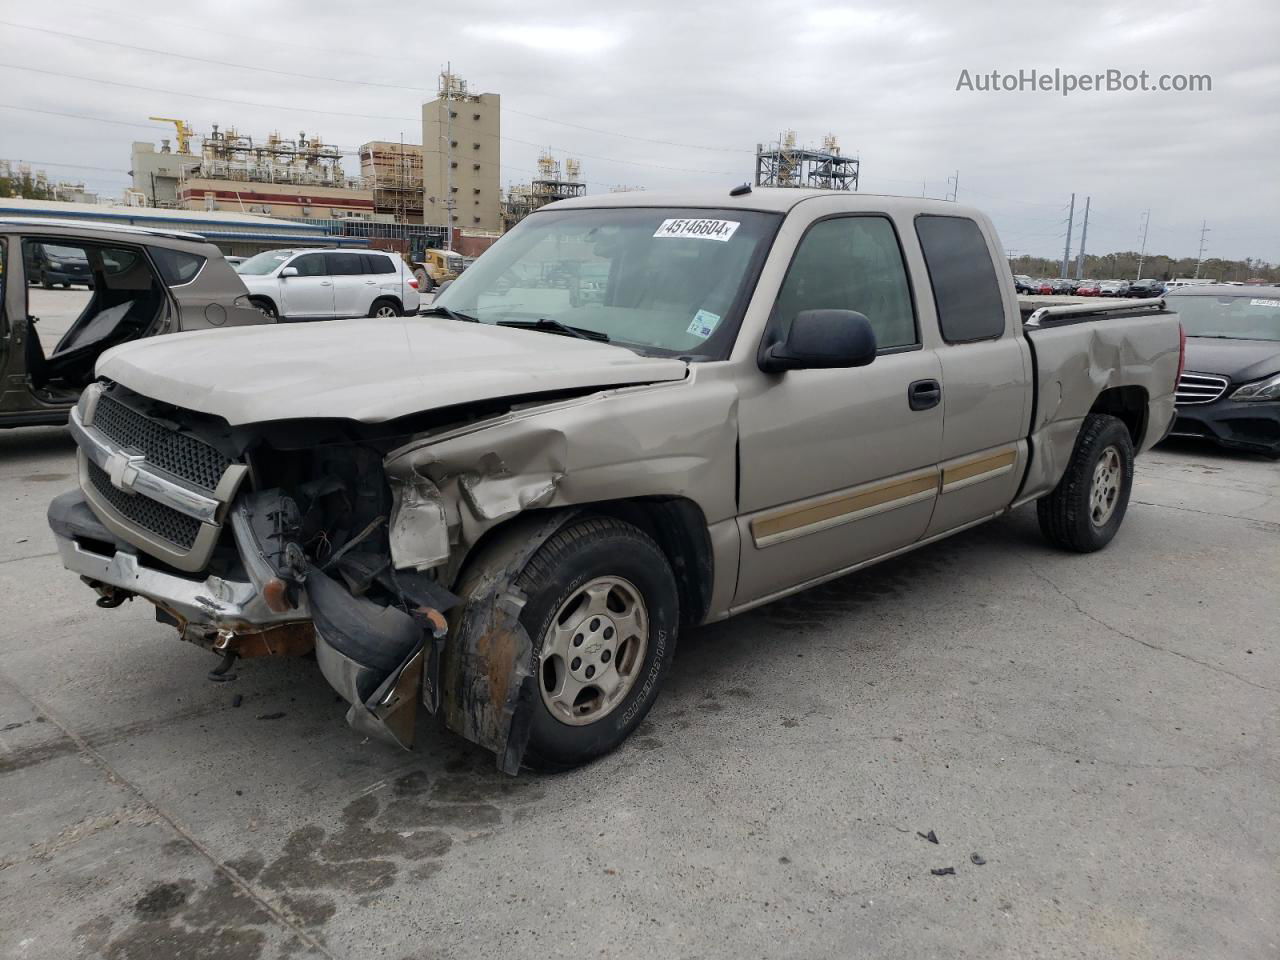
x=413, y=283
x=1182, y=351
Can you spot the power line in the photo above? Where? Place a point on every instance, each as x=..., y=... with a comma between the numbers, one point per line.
x=347, y=80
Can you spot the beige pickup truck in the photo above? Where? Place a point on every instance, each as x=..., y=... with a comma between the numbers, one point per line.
x=507, y=510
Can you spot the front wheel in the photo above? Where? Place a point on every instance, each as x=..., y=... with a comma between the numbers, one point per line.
x=603, y=613
x=267, y=308
x=1086, y=508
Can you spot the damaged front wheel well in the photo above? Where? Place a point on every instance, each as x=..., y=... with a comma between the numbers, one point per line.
x=676, y=524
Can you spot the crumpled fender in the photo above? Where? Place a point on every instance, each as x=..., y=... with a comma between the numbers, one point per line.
x=487, y=686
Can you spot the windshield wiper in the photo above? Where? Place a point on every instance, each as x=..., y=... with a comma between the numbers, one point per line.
x=440, y=310
x=555, y=326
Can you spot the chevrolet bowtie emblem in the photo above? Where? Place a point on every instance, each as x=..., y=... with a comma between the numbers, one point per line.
x=122, y=468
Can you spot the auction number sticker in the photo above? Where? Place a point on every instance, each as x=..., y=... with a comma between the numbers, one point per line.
x=1264, y=303
x=720, y=230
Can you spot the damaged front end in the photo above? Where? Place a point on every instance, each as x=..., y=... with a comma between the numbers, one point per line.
x=315, y=546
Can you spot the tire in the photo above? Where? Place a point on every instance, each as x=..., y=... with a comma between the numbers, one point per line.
x=385, y=307
x=267, y=307
x=66, y=284
x=45, y=281
x=424, y=281
x=1086, y=508
x=600, y=554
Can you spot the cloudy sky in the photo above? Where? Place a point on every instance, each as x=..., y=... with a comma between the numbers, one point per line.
x=669, y=93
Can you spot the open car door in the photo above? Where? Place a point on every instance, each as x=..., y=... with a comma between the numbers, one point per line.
x=129, y=301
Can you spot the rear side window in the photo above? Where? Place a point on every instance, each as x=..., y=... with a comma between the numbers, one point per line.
x=378, y=263
x=345, y=264
x=176, y=266
x=963, y=278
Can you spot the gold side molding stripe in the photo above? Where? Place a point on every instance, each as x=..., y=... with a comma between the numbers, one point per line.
x=974, y=471
x=797, y=521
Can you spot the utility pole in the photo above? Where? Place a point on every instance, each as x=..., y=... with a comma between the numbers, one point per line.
x=1084, y=235
x=954, y=182
x=1142, y=254
x=1066, y=252
x=1204, y=228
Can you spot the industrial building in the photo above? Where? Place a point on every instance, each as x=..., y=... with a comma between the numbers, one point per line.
x=461, y=157
x=393, y=171
x=280, y=177
x=552, y=183
x=783, y=164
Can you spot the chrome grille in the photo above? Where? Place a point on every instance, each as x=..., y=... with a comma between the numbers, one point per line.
x=153, y=517
x=185, y=457
x=1199, y=388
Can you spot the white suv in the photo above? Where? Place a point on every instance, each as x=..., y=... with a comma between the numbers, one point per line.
x=328, y=284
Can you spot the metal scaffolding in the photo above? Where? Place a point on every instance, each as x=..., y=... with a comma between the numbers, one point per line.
x=553, y=183
x=783, y=164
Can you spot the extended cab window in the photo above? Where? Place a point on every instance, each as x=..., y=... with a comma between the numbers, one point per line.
x=964, y=282
x=851, y=263
x=310, y=265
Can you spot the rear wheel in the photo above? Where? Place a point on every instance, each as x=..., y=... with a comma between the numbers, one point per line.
x=45, y=281
x=1086, y=508
x=603, y=612
x=424, y=281
x=385, y=308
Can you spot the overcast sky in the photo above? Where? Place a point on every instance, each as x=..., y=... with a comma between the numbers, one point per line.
x=669, y=93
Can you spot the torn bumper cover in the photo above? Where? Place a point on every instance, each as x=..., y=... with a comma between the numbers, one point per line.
x=207, y=608
x=371, y=655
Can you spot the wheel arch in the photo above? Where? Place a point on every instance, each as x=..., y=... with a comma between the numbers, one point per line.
x=677, y=524
x=267, y=299
x=390, y=297
x=1129, y=405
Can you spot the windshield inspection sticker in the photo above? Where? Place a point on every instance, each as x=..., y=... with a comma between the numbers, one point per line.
x=704, y=324
x=1264, y=303
x=720, y=230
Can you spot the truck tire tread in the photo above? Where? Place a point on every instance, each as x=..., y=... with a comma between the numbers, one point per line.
x=1064, y=513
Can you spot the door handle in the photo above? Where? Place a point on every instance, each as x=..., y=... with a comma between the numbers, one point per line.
x=326, y=283
x=924, y=394
x=371, y=281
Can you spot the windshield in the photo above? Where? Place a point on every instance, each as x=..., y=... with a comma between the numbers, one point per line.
x=664, y=282
x=263, y=263
x=1231, y=317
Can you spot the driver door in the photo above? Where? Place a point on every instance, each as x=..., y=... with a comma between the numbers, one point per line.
x=840, y=466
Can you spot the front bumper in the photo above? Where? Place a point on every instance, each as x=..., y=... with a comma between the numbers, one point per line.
x=373, y=656
x=1248, y=425
x=210, y=610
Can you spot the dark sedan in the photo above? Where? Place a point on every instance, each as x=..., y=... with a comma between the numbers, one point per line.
x=1229, y=391
x=1146, y=288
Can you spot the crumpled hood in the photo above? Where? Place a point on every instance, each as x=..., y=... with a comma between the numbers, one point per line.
x=1240, y=361
x=366, y=369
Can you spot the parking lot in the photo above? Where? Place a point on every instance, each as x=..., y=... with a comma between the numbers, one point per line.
x=1091, y=739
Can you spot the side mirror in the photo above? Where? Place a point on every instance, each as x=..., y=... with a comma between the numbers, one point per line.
x=822, y=340
x=289, y=272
